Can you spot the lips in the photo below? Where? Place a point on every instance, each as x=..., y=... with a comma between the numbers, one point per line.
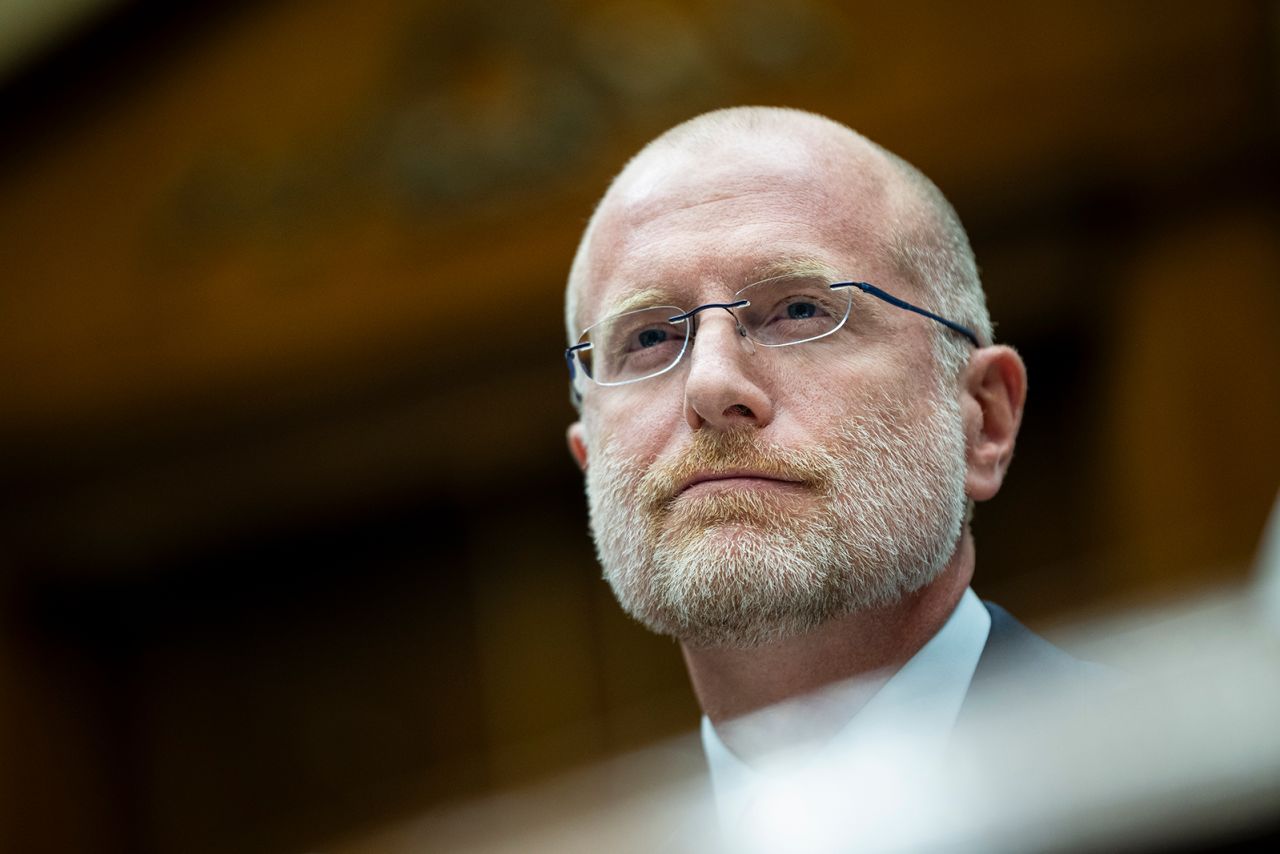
x=712, y=477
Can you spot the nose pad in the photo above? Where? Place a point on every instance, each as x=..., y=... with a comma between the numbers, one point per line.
x=743, y=338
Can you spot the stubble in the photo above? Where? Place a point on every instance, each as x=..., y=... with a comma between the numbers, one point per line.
x=875, y=514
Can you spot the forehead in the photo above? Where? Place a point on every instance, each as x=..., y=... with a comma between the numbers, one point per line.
x=691, y=226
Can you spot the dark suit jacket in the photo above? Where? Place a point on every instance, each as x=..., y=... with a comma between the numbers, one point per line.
x=1016, y=656
x=1012, y=646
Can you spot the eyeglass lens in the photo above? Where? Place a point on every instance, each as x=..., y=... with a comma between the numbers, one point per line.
x=644, y=343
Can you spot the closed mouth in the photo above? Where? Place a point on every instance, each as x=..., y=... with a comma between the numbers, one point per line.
x=711, y=477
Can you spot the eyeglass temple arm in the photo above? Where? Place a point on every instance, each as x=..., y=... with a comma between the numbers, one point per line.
x=568, y=356
x=575, y=396
x=872, y=290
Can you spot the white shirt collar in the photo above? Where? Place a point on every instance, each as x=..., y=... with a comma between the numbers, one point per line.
x=926, y=692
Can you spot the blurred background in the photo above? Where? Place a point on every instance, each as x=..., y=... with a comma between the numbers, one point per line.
x=290, y=544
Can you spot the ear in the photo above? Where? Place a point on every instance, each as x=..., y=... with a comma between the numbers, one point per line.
x=993, y=391
x=578, y=444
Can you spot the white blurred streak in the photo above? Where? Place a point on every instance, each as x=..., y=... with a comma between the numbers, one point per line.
x=1268, y=571
x=654, y=800
x=1178, y=743
x=1183, y=745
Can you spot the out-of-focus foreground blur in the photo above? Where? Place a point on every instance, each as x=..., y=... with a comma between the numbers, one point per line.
x=290, y=544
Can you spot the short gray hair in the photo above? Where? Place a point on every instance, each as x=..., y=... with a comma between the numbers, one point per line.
x=928, y=245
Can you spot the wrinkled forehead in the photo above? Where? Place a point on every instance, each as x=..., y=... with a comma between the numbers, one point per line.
x=728, y=215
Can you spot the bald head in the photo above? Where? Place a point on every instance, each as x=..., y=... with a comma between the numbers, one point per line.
x=741, y=219
x=875, y=204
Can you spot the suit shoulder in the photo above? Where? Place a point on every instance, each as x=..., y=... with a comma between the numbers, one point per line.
x=1011, y=646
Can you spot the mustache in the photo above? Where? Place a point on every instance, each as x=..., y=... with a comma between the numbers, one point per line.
x=728, y=451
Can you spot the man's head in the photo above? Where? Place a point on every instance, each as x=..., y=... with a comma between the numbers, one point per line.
x=753, y=493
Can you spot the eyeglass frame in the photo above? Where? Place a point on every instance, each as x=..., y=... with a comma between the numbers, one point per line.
x=866, y=287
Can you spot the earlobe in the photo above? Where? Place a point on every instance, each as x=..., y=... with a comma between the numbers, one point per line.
x=578, y=444
x=995, y=389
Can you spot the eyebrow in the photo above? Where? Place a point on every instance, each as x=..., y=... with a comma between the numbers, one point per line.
x=798, y=266
x=653, y=297
x=644, y=298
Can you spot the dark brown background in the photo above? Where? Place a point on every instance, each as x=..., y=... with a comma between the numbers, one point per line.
x=290, y=545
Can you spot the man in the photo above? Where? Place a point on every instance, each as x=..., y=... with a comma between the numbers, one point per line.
x=789, y=401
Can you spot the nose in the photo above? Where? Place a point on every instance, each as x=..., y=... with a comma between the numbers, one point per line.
x=723, y=389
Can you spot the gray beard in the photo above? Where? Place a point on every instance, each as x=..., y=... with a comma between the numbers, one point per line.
x=741, y=569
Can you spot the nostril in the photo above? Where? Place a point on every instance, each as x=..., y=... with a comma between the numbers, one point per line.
x=739, y=409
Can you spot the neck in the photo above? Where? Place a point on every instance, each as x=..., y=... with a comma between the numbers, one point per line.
x=857, y=652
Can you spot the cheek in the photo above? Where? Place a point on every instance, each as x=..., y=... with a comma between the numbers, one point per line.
x=817, y=382
x=822, y=390
x=634, y=424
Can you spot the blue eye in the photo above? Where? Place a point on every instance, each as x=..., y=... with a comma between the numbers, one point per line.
x=801, y=311
x=651, y=337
